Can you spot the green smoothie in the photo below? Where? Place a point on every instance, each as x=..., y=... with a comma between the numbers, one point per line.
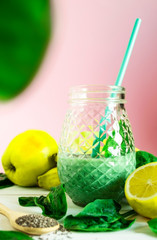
x=87, y=179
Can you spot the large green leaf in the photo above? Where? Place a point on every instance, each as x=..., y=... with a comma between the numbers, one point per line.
x=14, y=235
x=143, y=158
x=53, y=205
x=99, y=216
x=24, y=35
x=153, y=224
x=4, y=181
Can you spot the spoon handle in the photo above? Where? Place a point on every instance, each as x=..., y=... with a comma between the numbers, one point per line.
x=5, y=210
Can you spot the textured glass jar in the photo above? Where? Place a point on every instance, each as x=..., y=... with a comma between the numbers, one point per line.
x=96, y=150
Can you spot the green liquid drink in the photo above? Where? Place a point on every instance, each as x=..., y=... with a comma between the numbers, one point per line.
x=95, y=178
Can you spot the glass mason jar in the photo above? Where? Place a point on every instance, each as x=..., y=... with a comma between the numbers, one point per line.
x=96, y=150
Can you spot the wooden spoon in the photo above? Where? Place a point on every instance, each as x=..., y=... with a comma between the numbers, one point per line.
x=13, y=216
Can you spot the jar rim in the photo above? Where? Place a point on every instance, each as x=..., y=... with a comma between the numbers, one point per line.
x=97, y=93
x=97, y=87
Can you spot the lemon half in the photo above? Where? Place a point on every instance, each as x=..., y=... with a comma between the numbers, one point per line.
x=141, y=190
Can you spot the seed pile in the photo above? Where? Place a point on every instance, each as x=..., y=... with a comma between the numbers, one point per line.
x=36, y=221
x=59, y=234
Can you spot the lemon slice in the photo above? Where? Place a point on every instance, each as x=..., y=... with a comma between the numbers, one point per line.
x=141, y=190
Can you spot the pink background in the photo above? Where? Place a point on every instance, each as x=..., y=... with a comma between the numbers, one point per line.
x=88, y=44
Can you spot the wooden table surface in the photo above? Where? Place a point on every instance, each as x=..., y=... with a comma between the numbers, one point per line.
x=9, y=197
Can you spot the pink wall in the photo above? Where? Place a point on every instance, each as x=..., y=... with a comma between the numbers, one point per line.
x=89, y=41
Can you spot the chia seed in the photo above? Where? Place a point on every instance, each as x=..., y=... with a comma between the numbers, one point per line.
x=36, y=221
x=60, y=234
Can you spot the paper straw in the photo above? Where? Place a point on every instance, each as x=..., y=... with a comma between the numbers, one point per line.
x=118, y=82
x=128, y=52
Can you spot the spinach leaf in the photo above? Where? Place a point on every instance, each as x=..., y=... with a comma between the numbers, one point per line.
x=122, y=131
x=27, y=201
x=25, y=28
x=4, y=181
x=112, y=142
x=53, y=205
x=14, y=235
x=153, y=224
x=101, y=208
x=86, y=224
x=99, y=216
x=143, y=158
x=91, y=224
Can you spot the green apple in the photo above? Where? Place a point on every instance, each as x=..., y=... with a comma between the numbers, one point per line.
x=29, y=155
